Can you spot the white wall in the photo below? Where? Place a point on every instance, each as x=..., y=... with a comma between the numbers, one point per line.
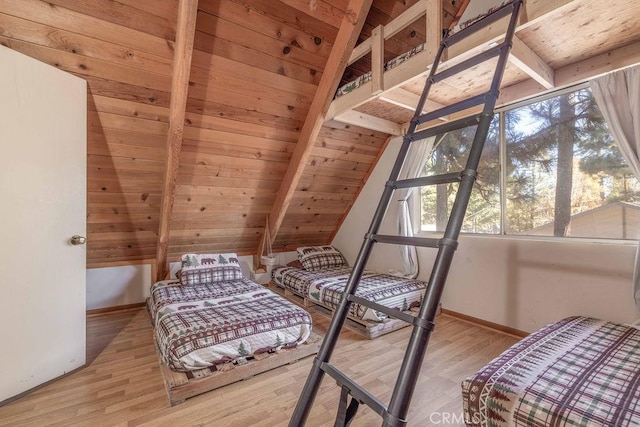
x=521, y=283
x=129, y=284
x=116, y=286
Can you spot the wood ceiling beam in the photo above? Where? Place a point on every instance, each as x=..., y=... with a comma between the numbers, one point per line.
x=368, y=121
x=377, y=60
x=434, y=28
x=528, y=61
x=350, y=27
x=576, y=73
x=183, y=51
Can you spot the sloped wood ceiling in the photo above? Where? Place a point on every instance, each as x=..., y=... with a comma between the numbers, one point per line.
x=255, y=69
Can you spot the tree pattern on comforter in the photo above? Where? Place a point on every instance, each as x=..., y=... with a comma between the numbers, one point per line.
x=201, y=326
x=327, y=286
x=579, y=371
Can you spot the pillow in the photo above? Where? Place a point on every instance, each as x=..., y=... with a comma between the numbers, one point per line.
x=315, y=258
x=204, y=269
x=295, y=263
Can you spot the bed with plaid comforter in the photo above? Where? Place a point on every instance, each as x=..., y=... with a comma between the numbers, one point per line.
x=579, y=371
x=201, y=326
x=325, y=287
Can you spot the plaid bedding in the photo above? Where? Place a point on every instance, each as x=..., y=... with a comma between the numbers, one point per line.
x=201, y=326
x=579, y=371
x=326, y=287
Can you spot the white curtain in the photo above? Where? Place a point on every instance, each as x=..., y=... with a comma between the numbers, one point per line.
x=618, y=97
x=412, y=166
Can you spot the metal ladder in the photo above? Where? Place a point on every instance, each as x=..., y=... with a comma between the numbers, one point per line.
x=395, y=414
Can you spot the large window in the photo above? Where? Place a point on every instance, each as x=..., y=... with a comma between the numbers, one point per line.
x=560, y=174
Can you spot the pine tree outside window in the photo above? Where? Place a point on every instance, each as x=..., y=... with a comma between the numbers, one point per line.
x=562, y=174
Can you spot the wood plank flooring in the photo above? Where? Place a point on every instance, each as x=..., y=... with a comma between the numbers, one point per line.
x=122, y=386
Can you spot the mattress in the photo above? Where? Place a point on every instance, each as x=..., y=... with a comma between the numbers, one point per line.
x=201, y=326
x=325, y=287
x=579, y=371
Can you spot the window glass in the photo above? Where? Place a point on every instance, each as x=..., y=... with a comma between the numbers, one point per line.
x=565, y=175
x=450, y=154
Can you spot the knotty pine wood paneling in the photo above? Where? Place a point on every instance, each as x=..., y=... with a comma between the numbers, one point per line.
x=256, y=66
x=341, y=159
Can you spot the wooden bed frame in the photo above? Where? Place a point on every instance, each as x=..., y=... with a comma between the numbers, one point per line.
x=367, y=328
x=182, y=385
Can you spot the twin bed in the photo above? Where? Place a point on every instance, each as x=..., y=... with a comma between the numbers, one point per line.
x=579, y=371
x=320, y=276
x=213, y=327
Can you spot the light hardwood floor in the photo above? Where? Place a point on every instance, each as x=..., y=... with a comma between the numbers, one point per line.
x=121, y=384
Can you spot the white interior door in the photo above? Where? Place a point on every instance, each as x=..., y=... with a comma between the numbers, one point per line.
x=42, y=204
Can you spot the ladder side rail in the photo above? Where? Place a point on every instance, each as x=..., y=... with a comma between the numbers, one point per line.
x=311, y=386
x=310, y=389
x=483, y=22
x=416, y=349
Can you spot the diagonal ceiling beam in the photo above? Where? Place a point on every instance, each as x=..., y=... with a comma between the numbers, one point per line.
x=350, y=28
x=528, y=61
x=183, y=50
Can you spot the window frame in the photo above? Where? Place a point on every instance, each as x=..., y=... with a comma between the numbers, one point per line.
x=415, y=199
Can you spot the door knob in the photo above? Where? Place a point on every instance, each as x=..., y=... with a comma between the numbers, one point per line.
x=78, y=240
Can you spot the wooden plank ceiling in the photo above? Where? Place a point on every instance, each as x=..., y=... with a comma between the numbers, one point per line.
x=255, y=69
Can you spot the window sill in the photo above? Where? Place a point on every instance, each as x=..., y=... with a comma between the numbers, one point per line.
x=617, y=242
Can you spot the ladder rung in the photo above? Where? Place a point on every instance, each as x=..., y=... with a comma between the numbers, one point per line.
x=453, y=108
x=397, y=314
x=355, y=390
x=445, y=127
x=478, y=25
x=444, y=178
x=402, y=240
x=468, y=63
